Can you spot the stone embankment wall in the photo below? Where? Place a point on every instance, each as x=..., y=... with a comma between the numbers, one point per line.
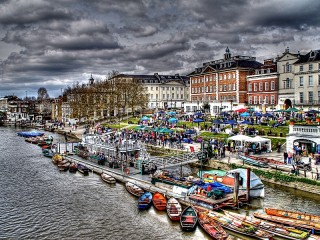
x=295, y=185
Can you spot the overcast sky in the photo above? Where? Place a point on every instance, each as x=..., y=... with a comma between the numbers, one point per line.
x=56, y=43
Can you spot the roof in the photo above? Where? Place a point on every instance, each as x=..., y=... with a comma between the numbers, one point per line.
x=157, y=78
x=312, y=56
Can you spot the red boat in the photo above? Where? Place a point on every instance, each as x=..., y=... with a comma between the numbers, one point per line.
x=159, y=201
x=212, y=227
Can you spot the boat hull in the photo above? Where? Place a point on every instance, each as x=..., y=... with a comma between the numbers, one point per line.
x=174, y=209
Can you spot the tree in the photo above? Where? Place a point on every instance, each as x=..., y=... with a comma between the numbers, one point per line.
x=42, y=94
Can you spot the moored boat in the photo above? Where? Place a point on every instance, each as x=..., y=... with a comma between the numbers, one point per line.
x=274, y=228
x=211, y=227
x=174, y=209
x=292, y=214
x=300, y=224
x=159, y=201
x=188, y=219
x=238, y=226
x=73, y=168
x=107, y=178
x=83, y=169
x=134, y=189
x=48, y=153
x=144, y=201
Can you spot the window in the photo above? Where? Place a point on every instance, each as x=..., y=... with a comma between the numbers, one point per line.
x=261, y=87
x=220, y=77
x=266, y=100
x=229, y=76
x=172, y=88
x=214, y=88
x=199, y=90
x=272, y=86
x=163, y=96
x=192, y=90
x=181, y=96
x=301, y=68
x=234, y=87
x=234, y=75
x=272, y=99
x=255, y=100
x=266, y=86
x=250, y=100
x=288, y=68
x=255, y=87
x=207, y=88
x=220, y=88
x=224, y=76
x=311, y=80
x=260, y=100
x=202, y=89
x=310, y=67
x=207, y=78
x=156, y=88
x=157, y=96
x=151, y=89
x=301, y=97
x=163, y=88
x=224, y=88
x=210, y=78
x=287, y=83
x=301, y=81
x=210, y=88
x=172, y=95
x=310, y=97
x=229, y=87
x=167, y=88
x=181, y=89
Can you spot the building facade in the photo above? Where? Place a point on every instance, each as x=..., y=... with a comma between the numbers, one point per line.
x=263, y=87
x=221, y=83
x=307, y=80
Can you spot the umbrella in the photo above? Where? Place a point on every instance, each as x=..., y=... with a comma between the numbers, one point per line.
x=224, y=114
x=166, y=130
x=198, y=114
x=241, y=110
x=292, y=110
x=172, y=113
x=217, y=121
x=139, y=127
x=198, y=120
x=157, y=129
x=246, y=122
x=189, y=131
x=245, y=114
x=231, y=122
x=280, y=110
x=173, y=120
x=313, y=111
x=267, y=115
x=258, y=114
x=145, y=118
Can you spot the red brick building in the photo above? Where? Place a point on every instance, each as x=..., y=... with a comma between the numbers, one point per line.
x=222, y=83
x=263, y=86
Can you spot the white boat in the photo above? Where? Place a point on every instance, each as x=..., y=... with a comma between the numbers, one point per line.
x=107, y=178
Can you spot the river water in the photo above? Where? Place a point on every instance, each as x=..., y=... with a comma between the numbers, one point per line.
x=39, y=202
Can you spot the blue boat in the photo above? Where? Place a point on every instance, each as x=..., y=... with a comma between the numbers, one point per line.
x=144, y=202
x=30, y=134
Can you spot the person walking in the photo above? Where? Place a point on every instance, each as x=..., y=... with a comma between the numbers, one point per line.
x=285, y=157
x=289, y=158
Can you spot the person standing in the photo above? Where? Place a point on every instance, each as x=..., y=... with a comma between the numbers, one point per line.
x=285, y=157
x=289, y=157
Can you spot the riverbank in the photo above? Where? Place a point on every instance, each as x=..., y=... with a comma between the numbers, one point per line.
x=232, y=161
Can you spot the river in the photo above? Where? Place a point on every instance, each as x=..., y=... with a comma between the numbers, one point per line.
x=39, y=202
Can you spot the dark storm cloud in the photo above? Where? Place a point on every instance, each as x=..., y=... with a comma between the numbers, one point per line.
x=59, y=41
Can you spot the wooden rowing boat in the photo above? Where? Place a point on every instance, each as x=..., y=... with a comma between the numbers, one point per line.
x=159, y=201
x=174, y=209
x=300, y=224
x=239, y=226
x=274, y=228
x=292, y=214
x=107, y=178
x=212, y=227
x=188, y=219
x=134, y=189
x=144, y=201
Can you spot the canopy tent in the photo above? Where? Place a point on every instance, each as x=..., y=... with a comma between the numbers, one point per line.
x=257, y=114
x=267, y=115
x=172, y=113
x=261, y=141
x=198, y=120
x=312, y=111
x=239, y=140
x=166, y=130
x=141, y=127
x=245, y=114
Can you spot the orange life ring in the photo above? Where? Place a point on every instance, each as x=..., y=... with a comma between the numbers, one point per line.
x=127, y=171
